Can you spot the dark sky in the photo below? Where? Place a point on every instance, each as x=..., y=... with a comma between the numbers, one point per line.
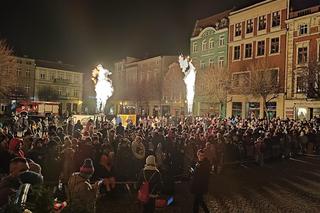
x=87, y=32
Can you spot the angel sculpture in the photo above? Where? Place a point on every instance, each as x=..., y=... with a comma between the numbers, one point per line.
x=189, y=79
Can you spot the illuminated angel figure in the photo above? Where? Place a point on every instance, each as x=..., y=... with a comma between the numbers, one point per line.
x=189, y=79
x=103, y=86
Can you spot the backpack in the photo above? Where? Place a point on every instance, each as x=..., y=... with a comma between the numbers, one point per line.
x=143, y=193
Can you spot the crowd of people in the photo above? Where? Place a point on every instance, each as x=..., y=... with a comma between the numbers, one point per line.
x=91, y=158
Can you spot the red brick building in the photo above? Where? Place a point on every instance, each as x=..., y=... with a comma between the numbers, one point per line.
x=257, y=37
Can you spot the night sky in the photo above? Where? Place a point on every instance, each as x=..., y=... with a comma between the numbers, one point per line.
x=87, y=32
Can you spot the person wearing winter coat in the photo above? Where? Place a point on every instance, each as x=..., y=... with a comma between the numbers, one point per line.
x=81, y=194
x=139, y=152
x=200, y=182
x=151, y=174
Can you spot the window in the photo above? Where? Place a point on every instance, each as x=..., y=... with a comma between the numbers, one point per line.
x=236, y=53
x=27, y=73
x=254, y=109
x=303, y=29
x=75, y=93
x=238, y=29
x=275, y=19
x=221, y=40
x=248, y=51
x=211, y=63
x=249, y=26
x=202, y=65
x=302, y=55
x=18, y=71
x=52, y=76
x=76, y=78
x=240, y=79
x=204, y=45
x=60, y=91
x=211, y=43
x=262, y=23
x=69, y=76
x=300, y=85
x=195, y=47
x=19, y=61
x=236, y=108
x=27, y=88
x=272, y=76
x=221, y=62
x=42, y=75
x=274, y=45
x=60, y=75
x=28, y=62
x=261, y=47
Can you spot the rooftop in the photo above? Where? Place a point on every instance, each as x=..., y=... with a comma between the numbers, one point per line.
x=56, y=65
x=209, y=22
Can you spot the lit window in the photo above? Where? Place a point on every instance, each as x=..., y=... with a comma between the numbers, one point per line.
x=236, y=53
x=211, y=43
x=249, y=26
x=248, y=51
x=303, y=29
x=274, y=45
x=260, y=48
x=238, y=29
x=300, y=85
x=262, y=23
x=302, y=55
x=221, y=40
x=275, y=19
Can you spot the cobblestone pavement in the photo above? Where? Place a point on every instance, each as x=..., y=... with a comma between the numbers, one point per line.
x=291, y=185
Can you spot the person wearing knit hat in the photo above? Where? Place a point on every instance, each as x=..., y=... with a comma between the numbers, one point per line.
x=81, y=193
x=150, y=174
x=87, y=169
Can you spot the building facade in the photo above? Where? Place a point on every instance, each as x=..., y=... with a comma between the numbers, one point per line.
x=257, y=35
x=55, y=81
x=303, y=39
x=138, y=84
x=208, y=50
x=17, y=80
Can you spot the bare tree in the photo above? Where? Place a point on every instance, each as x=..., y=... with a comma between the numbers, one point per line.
x=173, y=86
x=8, y=75
x=310, y=80
x=214, y=84
x=263, y=83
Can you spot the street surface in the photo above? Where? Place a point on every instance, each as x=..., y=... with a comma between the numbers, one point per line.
x=283, y=186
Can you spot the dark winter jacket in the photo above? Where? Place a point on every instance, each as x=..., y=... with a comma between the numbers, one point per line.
x=155, y=183
x=200, y=179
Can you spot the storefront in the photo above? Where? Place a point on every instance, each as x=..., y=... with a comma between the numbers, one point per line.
x=302, y=109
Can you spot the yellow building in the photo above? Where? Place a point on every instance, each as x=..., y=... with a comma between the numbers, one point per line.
x=303, y=42
x=55, y=81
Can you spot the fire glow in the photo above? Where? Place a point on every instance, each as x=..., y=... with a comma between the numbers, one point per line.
x=103, y=86
x=189, y=79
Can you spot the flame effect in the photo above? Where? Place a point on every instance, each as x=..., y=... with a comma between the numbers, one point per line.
x=189, y=79
x=103, y=86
